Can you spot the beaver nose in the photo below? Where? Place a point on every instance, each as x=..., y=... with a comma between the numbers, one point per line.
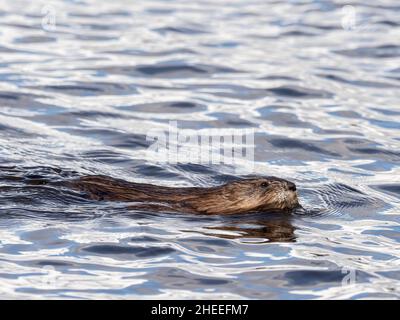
x=291, y=186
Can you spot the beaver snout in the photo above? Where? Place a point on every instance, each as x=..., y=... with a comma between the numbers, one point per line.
x=291, y=186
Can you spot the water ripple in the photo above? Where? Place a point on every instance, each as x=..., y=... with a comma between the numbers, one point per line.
x=319, y=88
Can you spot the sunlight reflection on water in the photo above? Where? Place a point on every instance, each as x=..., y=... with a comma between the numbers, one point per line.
x=81, y=83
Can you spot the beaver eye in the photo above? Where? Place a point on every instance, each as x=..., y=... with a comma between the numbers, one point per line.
x=264, y=184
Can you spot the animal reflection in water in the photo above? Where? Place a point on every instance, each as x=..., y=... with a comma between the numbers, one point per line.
x=266, y=229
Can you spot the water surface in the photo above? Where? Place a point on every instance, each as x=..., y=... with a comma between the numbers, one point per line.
x=317, y=82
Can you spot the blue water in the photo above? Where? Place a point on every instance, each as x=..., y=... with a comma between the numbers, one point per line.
x=81, y=84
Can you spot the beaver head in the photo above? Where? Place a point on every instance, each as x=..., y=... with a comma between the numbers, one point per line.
x=249, y=195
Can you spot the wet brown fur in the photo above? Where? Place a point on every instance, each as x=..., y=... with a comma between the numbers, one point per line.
x=243, y=196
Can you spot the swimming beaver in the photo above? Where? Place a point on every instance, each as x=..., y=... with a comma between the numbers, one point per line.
x=243, y=196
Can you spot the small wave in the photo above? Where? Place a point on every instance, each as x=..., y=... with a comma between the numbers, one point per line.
x=168, y=70
x=337, y=199
x=299, y=92
x=383, y=51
